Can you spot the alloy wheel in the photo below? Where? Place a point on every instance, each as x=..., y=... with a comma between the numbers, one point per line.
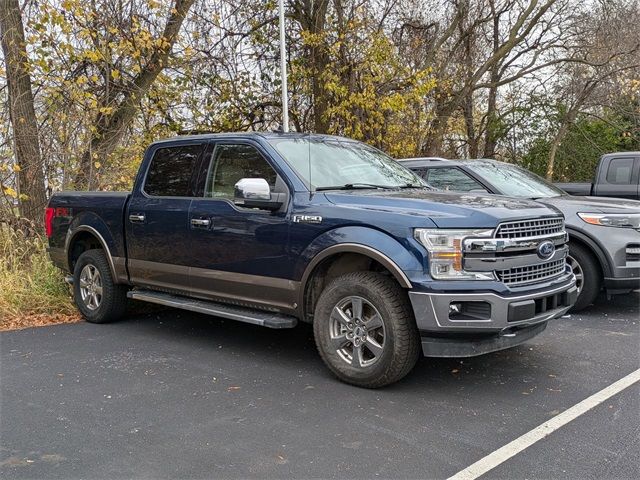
x=91, y=287
x=577, y=271
x=357, y=331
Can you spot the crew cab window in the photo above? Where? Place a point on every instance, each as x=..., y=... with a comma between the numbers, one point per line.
x=170, y=171
x=619, y=172
x=231, y=163
x=451, y=179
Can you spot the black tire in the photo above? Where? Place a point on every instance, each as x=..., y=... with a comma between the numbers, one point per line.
x=399, y=334
x=585, y=264
x=112, y=299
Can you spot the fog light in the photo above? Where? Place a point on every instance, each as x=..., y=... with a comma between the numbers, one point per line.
x=469, y=311
x=455, y=308
x=633, y=254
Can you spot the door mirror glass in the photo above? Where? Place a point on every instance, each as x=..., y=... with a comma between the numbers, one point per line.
x=256, y=193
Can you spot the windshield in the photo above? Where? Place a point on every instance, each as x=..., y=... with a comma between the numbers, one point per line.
x=514, y=181
x=331, y=163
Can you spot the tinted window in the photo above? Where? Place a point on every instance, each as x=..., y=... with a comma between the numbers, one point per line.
x=170, y=171
x=619, y=171
x=233, y=162
x=451, y=179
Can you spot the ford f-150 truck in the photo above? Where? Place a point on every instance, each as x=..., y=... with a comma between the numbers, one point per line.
x=273, y=228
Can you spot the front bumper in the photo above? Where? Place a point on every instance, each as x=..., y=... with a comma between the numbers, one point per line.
x=486, y=321
x=621, y=285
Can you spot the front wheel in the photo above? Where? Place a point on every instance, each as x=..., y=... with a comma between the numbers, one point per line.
x=587, y=272
x=365, y=330
x=97, y=296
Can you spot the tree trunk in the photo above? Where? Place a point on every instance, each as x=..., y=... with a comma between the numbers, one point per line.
x=31, y=183
x=568, y=119
x=472, y=139
x=434, y=141
x=555, y=143
x=312, y=16
x=110, y=128
x=490, y=132
x=467, y=101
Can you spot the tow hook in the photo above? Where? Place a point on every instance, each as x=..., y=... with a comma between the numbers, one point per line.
x=508, y=332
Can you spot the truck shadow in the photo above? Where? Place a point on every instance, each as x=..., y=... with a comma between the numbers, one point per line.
x=294, y=350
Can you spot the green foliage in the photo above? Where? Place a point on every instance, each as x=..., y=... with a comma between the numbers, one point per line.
x=29, y=283
x=586, y=141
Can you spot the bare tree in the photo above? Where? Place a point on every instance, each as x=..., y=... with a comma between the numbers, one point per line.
x=609, y=48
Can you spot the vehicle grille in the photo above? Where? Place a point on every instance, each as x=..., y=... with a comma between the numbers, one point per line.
x=530, y=228
x=532, y=273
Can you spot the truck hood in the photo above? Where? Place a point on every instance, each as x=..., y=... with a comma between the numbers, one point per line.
x=445, y=209
x=593, y=204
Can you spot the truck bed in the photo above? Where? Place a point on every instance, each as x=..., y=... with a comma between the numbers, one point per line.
x=583, y=189
x=101, y=211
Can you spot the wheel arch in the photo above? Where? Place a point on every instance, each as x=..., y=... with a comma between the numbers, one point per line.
x=595, y=249
x=83, y=238
x=338, y=260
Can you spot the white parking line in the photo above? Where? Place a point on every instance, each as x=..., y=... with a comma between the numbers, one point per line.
x=503, y=454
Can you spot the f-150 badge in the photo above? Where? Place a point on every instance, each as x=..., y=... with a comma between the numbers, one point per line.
x=307, y=219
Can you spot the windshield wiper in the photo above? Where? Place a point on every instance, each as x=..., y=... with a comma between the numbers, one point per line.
x=353, y=186
x=415, y=185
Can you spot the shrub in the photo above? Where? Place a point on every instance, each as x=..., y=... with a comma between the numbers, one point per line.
x=29, y=283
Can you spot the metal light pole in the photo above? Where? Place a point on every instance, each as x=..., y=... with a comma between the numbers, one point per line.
x=283, y=70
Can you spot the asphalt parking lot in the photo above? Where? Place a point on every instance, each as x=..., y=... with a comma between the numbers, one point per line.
x=178, y=395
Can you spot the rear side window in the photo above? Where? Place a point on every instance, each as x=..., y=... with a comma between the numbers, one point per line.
x=451, y=179
x=620, y=170
x=231, y=163
x=170, y=171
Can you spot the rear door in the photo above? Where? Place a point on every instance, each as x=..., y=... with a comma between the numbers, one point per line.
x=238, y=254
x=618, y=178
x=157, y=218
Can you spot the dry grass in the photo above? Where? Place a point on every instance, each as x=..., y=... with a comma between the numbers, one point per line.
x=32, y=290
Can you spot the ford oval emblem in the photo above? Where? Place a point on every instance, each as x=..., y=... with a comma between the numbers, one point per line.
x=546, y=249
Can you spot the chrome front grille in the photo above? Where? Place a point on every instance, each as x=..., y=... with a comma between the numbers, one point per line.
x=532, y=273
x=530, y=228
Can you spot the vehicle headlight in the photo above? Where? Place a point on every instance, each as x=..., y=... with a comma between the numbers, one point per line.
x=620, y=220
x=445, y=253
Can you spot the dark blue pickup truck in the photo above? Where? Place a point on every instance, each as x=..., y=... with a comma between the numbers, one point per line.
x=273, y=228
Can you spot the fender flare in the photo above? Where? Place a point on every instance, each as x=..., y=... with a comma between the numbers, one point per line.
x=365, y=250
x=593, y=245
x=73, y=233
x=399, y=259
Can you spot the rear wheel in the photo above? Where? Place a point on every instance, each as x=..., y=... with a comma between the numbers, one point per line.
x=96, y=295
x=587, y=272
x=365, y=330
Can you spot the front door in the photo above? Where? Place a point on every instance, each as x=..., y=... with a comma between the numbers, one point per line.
x=157, y=219
x=239, y=254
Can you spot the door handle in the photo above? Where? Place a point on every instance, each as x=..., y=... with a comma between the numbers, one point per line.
x=200, y=222
x=136, y=218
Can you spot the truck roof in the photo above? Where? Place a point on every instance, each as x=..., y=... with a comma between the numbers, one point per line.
x=622, y=154
x=248, y=135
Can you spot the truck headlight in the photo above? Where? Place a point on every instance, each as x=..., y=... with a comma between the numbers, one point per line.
x=620, y=220
x=445, y=253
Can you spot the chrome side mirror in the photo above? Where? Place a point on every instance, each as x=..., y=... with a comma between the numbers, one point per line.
x=256, y=193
